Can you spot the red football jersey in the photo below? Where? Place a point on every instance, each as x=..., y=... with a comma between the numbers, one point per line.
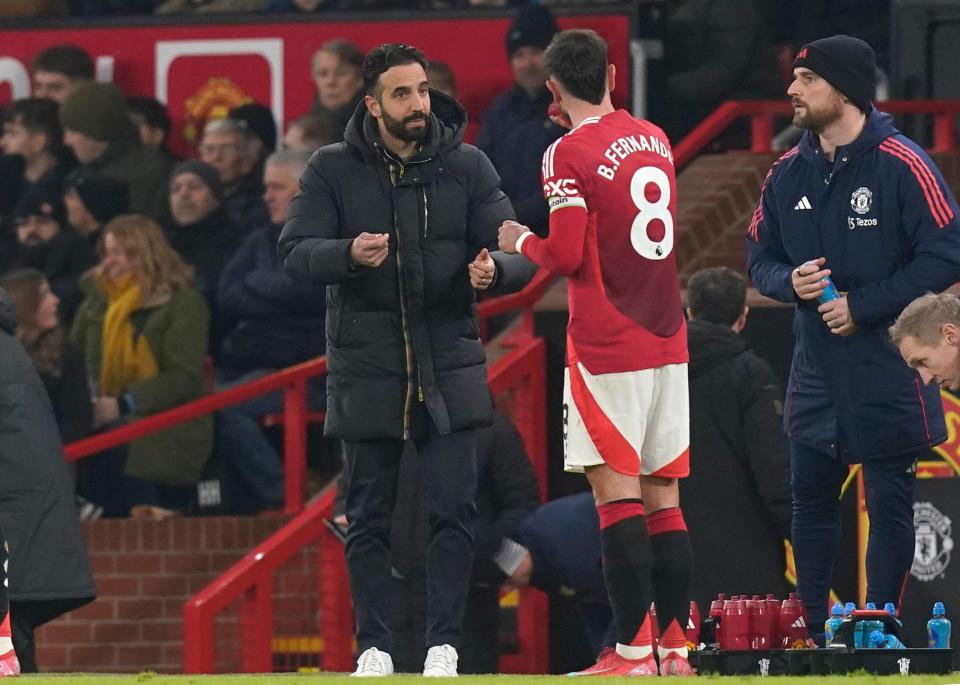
x=624, y=294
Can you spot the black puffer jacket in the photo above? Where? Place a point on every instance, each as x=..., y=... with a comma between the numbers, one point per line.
x=407, y=329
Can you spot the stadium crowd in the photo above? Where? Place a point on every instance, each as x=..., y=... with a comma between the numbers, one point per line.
x=139, y=281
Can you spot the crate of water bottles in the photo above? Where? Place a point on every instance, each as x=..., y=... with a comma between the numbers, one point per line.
x=767, y=636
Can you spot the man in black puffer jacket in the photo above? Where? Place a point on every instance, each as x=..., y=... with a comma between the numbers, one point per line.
x=398, y=220
x=737, y=499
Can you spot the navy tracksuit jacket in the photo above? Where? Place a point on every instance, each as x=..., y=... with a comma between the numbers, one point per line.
x=887, y=224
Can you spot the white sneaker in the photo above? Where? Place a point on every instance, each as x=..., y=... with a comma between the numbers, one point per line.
x=373, y=664
x=441, y=662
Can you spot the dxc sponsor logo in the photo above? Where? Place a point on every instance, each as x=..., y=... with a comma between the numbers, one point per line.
x=562, y=187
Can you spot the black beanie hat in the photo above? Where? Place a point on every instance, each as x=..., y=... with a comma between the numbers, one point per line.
x=848, y=64
x=43, y=199
x=259, y=120
x=534, y=26
x=103, y=196
x=207, y=174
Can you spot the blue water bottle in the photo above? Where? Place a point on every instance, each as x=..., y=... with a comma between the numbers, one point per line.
x=880, y=641
x=848, y=609
x=938, y=628
x=891, y=609
x=830, y=292
x=871, y=606
x=830, y=627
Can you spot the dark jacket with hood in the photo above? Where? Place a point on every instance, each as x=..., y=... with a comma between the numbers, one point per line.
x=48, y=558
x=887, y=224
x=407, y=329
x=737, y=499
x=516, y=131
x=279, y=322
x=244, y=203
x=207, y=245
x=144, y=169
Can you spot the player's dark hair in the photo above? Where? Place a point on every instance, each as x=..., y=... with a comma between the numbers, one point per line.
x=70, y=60
x=382, y=58
x=717, y=295
x=577, y=58
x=38, y=115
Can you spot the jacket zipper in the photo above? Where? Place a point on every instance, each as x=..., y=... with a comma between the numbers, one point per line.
x=404, y=324
x=426, y=211
x=407, y=343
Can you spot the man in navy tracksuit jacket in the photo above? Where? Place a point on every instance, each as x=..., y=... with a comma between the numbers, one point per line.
x=860, y=202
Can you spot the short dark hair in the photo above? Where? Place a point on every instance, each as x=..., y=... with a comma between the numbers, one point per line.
x=384, y=57
x=70, y=60
x=38, y=115
x=577, y=59
x=153, y=112
x=717, y=295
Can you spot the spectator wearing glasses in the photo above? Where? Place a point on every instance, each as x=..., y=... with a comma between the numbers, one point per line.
x=233, y=149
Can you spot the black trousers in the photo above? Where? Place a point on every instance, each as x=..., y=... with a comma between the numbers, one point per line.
x=817, y=478
x=26, y=617
x=449, y=470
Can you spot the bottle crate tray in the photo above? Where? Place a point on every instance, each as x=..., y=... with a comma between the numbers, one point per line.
x=822, y=661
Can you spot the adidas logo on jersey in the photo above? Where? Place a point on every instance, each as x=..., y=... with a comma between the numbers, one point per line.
x=803, y=204
x=799, y=623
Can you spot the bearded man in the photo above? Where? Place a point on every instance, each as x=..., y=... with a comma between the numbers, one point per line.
x=859, y=203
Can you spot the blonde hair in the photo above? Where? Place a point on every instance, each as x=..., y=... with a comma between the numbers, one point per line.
x=925, y=317
x=156, y=265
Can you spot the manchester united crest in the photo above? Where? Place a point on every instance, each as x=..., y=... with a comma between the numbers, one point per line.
x=213, y=100
x=861, y=200
x=934, y=543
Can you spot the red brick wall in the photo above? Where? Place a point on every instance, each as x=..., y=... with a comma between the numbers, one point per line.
x=144, y=572
x=716, y=197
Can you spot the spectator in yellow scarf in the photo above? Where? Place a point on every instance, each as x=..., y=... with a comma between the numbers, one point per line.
x=143, y=330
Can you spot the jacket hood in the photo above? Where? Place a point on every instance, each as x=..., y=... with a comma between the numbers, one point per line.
x=448, y=122
x=710, y=345
x=878, y=128
x=8, y=315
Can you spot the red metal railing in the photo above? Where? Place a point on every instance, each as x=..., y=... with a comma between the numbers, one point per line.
x=762, y=113
x=522, y=372
x=293, y=383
